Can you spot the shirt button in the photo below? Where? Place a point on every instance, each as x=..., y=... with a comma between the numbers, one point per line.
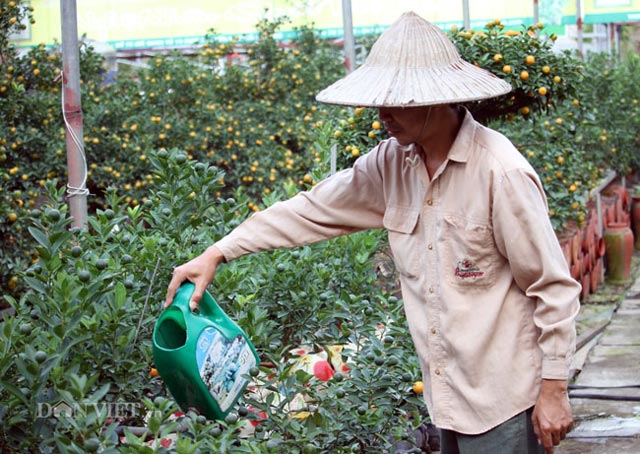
x=434, y=331
x=430, y=246
x=430, y=289
x=429, y=202
x=437, y=372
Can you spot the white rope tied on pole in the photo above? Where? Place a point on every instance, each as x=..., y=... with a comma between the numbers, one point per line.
x=82, y=190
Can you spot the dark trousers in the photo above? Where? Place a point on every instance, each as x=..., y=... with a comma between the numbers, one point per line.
x=514, y=436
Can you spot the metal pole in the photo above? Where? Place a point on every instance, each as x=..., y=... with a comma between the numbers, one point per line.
x=536, y=12
x=465, y=14
x=579, y=26
x=349, y=42
x=72, y=112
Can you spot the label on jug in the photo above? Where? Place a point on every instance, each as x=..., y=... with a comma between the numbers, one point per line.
x=222, y=362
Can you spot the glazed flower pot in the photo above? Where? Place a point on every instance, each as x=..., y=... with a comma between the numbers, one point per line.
x=635, y=219
x=619, y=252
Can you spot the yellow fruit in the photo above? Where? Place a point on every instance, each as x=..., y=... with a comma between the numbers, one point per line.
x=559, y=121
x=497, y=58
x=557, y=79
x=376, y=125
x=153, y=372
x=506, y=69
x=13, y=217
x=524, y=75
x=525, y=110
x=546, y=69
x=542, y=91
x=13, y=282
x=530, y=59
x=572, y=188
x=560, y=159
x=418, y=387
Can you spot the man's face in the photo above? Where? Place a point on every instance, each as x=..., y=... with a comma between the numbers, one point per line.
x=406, y=124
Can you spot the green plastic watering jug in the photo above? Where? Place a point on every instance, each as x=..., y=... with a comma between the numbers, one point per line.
x=202, y=357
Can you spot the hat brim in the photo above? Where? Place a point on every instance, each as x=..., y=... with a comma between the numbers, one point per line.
x=375, y=86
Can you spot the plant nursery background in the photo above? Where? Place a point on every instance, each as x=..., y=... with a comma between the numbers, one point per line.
x=182, y=149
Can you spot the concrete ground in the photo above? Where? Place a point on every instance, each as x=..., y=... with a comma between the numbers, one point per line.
x=605, y=395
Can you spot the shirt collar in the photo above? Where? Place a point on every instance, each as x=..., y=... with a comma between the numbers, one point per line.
x=461, y=147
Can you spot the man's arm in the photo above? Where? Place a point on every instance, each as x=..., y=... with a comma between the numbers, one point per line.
x=349, y=201
x=524, y=235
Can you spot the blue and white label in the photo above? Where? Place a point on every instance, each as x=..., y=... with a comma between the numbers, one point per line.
x=222, y=362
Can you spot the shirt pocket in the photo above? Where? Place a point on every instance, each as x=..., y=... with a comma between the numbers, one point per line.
x=469, y=254
x=400, y=223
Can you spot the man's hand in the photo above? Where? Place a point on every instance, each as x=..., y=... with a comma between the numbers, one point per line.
x=552, y=418
x=199, y=271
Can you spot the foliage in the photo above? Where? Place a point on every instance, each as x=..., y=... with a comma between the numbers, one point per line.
x=181, y=151
x=13, y=14
x=81, y=334
x=540, y=76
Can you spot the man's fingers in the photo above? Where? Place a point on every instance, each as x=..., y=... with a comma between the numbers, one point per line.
x=547, y=440
x=176, y=280
x=197, y=294
x=536, y=426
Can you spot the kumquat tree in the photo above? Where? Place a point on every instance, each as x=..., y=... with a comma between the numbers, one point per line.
x=181, y=151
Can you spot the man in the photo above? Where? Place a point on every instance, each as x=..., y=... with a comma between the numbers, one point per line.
x=489, y=299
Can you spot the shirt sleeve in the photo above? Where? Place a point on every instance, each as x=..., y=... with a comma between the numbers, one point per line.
x=524, y=235
x=349, y=201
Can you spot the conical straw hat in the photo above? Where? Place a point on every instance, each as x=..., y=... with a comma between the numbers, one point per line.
x=413, y=63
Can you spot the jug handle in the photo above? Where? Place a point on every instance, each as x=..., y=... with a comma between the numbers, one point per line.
x=208, y=305
x=183, y=296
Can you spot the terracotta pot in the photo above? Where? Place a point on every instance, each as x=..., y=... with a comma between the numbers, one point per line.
x=595, y=278
x=601, y=246
x=586, y=286
x=576, y=269
x=587, y=236
x=635, y=219
x=619, y=245
x=566, y=245
x=577, y=244
x=622, y=195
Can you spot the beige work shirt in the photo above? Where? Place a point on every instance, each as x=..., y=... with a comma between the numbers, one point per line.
x=488, y=296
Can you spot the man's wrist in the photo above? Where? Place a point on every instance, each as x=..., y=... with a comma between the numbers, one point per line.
x=553, y=385
x=214, y=255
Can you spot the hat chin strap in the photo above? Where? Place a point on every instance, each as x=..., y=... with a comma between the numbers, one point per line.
x=424, y=125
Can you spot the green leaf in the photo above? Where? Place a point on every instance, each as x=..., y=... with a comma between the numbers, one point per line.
x=35, y=284
x=40, y=237
x=12, y=389
x=120, y=294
